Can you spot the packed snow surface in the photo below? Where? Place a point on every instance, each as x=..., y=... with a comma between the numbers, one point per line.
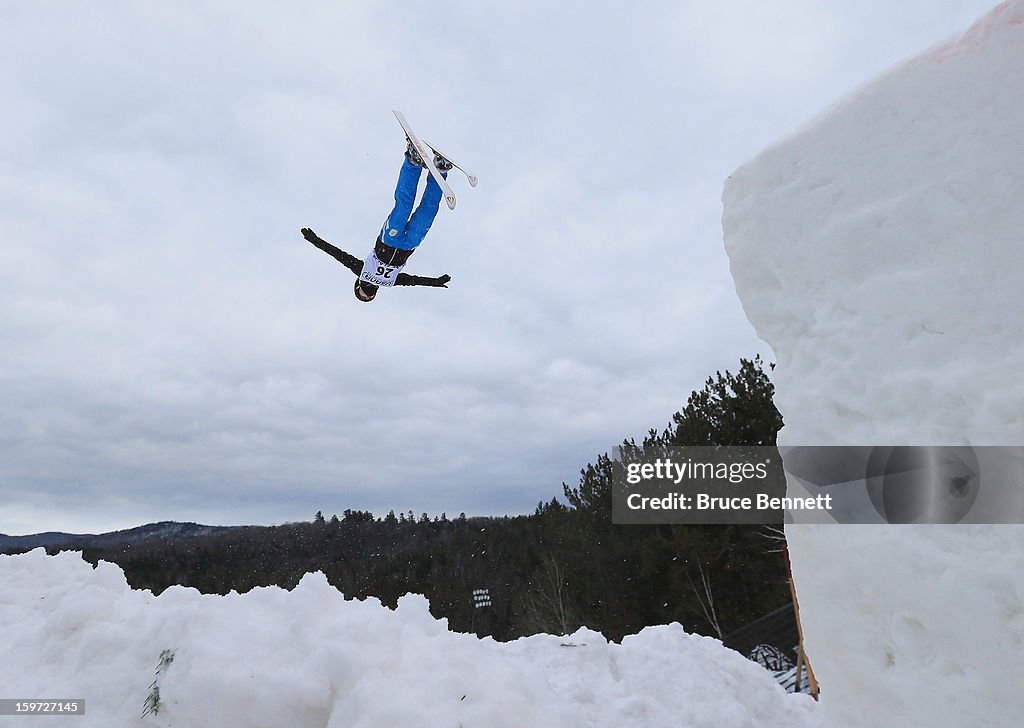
x=309, y=657
x=880, y=252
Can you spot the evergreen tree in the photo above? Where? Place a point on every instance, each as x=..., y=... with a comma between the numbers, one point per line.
x=715, y=577
x=732, y=409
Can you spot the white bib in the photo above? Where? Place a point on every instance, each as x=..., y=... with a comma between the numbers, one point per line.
x=378, y=273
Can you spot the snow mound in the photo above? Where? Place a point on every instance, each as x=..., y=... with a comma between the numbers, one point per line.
x=309, y=657
x=880, y=252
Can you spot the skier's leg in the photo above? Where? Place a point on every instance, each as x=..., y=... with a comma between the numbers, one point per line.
x=423, y=218
x=405, y=197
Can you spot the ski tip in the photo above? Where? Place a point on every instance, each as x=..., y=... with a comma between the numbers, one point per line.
x=450, y=199
x=472, y=180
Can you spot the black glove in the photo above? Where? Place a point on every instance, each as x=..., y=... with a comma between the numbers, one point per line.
x=443, y=280
x=309, y=235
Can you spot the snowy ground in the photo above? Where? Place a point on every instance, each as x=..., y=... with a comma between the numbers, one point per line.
x=309, y=658
x=880, y=252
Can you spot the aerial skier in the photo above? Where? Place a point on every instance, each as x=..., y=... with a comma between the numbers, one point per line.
x=404, y=228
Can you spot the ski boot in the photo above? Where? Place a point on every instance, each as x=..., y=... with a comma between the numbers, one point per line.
x=442, y=164
x=412, y=155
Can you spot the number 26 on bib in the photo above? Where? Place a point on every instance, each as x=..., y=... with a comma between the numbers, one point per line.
x=378, y=273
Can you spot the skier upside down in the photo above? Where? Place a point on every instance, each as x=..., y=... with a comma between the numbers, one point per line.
x=404, y=229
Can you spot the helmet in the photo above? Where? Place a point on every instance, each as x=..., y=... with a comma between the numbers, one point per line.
x=365, y=292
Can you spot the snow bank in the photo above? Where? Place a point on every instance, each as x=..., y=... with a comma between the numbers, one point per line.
x=309, y=657
x=880, y=252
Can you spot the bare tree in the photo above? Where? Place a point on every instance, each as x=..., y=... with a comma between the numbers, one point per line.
x=705, y=597
x=546, y=603
x=775, y=536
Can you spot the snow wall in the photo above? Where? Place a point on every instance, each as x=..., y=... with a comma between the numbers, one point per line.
x=309, y=658
x=880, y=252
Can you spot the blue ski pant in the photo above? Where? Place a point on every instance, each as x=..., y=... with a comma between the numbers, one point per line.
x=403, y=228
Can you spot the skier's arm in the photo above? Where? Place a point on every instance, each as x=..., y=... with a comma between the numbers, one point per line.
x=404, y=279
x=346, y=259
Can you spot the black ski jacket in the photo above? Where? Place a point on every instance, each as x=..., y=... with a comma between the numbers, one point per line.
x=384, y=252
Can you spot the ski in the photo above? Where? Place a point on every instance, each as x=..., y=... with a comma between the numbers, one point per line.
x=469, y=175
x=428, y=160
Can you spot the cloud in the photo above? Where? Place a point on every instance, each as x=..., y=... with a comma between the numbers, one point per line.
x=749, y=44
x=170, y=347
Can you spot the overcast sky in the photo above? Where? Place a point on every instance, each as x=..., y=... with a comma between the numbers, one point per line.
x=172, y=349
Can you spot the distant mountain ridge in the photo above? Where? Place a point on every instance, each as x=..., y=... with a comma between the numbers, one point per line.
x=163, y=530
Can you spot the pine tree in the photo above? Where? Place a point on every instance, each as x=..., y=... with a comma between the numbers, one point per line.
x=711, y=578
x=732, y=409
